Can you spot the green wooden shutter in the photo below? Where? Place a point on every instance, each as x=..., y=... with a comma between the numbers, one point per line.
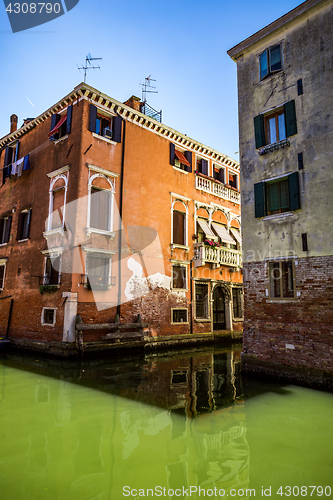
x=295, y=202
x=290, y=118
x=259, y=131
x=259, y=199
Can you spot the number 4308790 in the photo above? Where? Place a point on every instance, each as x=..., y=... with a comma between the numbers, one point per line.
x=33, y=8
x=304, y=491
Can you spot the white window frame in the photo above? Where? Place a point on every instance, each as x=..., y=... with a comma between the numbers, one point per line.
x=94, y=173
x=180, y=264
x=180, y=322
x=54, y=316
x=61, y=173
x=107, y=253
x=53, y=254
x=3, y=263
x=182, y=200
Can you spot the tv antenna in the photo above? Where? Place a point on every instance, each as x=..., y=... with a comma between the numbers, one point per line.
x=89, y=65
x=147, y=88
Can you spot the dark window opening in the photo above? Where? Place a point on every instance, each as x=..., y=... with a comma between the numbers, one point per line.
x=178, y=228
x=5, y=225
x=103, y=126
x=218, y=174
x=48, y=316
x=305, y=242
x=23, y=229
x=2, y=276
x=300, y=161
x=201, y=301
x=179, y=377
x=270, y=61
x=178, y=277
x=237, y=302
x=281, y=278
x=52, y=268
x=179, y=316
x=299, y=87
x=233, y=180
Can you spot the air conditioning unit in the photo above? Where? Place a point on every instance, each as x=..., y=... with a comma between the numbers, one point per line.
x=107, y=132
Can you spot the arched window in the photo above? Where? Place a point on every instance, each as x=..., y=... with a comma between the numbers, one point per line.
x=57, y=202
x=100, y=209
x=179, y=223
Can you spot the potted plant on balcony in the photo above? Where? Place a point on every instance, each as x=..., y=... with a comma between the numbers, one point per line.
x=212, y=244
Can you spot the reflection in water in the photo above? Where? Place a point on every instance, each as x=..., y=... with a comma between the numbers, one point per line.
x=177, y=422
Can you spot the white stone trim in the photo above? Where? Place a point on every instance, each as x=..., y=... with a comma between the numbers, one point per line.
x=59, y=171
x=100, y=170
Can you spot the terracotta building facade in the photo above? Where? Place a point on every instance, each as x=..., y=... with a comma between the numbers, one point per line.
x=286, y=125
x=108, y=214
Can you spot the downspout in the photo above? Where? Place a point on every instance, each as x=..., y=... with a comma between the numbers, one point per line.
x=121, y=215
x=191, y=296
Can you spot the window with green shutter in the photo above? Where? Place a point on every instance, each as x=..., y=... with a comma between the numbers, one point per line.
x=277, y=196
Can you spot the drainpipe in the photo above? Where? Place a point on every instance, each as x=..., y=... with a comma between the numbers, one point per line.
x=121, y=214
x=191, y=296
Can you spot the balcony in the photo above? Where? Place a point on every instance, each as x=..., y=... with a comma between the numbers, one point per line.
x=220, y=256
x=217, y=189
x=98, y=282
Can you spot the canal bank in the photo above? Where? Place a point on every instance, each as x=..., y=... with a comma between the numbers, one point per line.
x=110, y=347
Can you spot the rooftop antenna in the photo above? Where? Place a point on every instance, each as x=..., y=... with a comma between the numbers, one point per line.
x=148, y=85
x=89, y=65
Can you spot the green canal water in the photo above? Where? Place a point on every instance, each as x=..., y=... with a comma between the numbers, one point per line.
x=182, y=425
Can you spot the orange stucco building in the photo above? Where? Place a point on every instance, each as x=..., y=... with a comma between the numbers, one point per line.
x=107, y=213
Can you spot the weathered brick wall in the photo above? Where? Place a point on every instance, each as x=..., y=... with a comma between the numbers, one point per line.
x=154, y=308
x=305, y=322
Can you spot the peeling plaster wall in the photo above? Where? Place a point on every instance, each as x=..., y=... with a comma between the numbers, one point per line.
x=307, y=54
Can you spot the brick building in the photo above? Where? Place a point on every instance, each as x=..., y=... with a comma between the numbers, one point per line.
x=286, y=124
x=108, y=213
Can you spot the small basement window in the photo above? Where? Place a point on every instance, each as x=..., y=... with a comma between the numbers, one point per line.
x=48, y=316
x=179, y=316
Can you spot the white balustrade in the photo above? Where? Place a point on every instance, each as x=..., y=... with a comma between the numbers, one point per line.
x=217, y=189
x=217, y=255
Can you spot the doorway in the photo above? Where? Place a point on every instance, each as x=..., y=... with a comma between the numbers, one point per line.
x=218, y=309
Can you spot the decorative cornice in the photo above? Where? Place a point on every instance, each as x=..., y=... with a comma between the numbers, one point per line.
x=59, y=171
x=107, y=103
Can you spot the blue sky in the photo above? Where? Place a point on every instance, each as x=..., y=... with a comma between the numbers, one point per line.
x=182, y=44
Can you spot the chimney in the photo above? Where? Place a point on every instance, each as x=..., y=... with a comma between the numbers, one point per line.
x=134, y=103
x=13, y=123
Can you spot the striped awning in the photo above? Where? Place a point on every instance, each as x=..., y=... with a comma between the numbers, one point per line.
x=236, y=234
x=206, y=229
x=223, y=233
x=60, y=122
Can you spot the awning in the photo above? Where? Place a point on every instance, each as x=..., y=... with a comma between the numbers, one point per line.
x=223, y=233
x=182, y=158
x=60, y=122
x=206, y=229
x=236, y=234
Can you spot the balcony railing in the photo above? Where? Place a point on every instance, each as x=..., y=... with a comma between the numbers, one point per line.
x=217, y=189
x=98, y=282
x=218, y=255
